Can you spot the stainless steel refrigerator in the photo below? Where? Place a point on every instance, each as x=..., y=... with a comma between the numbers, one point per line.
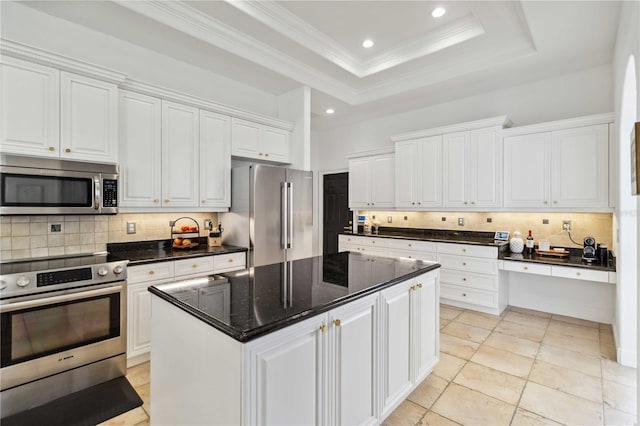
x=271, y=213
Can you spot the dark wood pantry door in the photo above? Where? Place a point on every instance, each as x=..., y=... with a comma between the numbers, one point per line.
x=336, y=215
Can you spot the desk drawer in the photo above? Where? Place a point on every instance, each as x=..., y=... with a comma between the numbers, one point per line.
x=462, y=294
x=580, y=274
x=527, y=268
x=374, y=242
x=469, y=279
x=413, y=245
x=469, y=264
x=229, y=262
x=150, y=272
x=468, y=250
x=197, y=265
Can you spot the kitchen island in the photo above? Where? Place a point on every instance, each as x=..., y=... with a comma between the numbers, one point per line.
x=338, y=339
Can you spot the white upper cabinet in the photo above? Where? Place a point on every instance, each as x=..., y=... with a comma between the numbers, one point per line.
x=29, y=108
x=180, y=136
x=418, y=173
x=49, y=113
x=472, y=165
x=140, y=150
x=371, y=181
x=215, y=160
x=259, y=141
x=88, y=119
x=564, y=169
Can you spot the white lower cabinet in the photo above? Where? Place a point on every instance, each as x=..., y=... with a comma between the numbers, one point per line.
x=351, y=365
x=141, y=277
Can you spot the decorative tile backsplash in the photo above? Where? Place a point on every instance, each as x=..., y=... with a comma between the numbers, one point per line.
x=38, y=236
x=597, y=225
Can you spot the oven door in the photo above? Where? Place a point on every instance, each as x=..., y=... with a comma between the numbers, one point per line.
x=49, y=335
x=53, y=192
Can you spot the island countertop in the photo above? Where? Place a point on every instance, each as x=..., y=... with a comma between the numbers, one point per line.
x=253, y=302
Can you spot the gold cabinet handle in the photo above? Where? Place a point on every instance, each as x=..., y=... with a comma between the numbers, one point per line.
x=473, y=202
x=203, y=201
x=464, y=279
x=464, y=294
x=464, y=263
x=195, y=265
x=151, y=272
x=51, y=148
x=336, y=322
x=413, y=287
x=410, y=257
x=413, y=203
x=419, y=203
x=526, y=268
x=323, y=328
x=419, y=285
x=578, y=273
x=266, y=155
x=155, y=200
x=67, y=150
x=230, y=260
x=555, y=201
x=546, y=202
x=373, y=242
x=464, y=250
x=166, y=200
x=260, y=154
x=409, y=245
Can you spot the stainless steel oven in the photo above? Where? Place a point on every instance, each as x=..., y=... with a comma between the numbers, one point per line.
x=62, y=328
x=32, y=186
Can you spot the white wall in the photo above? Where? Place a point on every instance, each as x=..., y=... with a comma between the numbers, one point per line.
x=577, y=94
x=627, y=107
x=31, y=27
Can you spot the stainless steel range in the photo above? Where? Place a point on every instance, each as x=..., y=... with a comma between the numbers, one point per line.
x=62, y=327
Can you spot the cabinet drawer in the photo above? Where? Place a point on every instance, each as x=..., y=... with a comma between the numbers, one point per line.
x=351, y=239
x=469, y=279
x=229, y=262
x=413, y=245
x=579, y=274
x=469, y=264
x=372, y=251
x=198, y=265
x=150, y=272
x=527, y=268
x=468, y=250
x=374, y=242
x=412, y=254
x=462, y=294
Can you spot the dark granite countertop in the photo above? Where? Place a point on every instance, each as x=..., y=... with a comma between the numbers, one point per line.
x=141, y=252
x=438, y=235
x=256, y=305
x=574, y=260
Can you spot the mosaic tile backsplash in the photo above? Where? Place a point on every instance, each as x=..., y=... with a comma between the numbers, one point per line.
x=38, y=236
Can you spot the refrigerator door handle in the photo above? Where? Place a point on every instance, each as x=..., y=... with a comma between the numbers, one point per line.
x=284, y=212
x=290, y=215
x=285, y=286
x=290, y=297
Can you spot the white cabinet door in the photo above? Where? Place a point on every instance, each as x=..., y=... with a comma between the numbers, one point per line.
x=485, y=168
x=179, y=155
x=456, y=169
x=245, y=138
x=353, y=362
x=579, y=167
x=140, y=150
x=215, y=160
x=88, y=119
x=426, y=309
x=29, y=108
x=138, y=319
x=359, y=183
x=275, y=144
x=396, y=350
x=286, y=384
x=382, y=181
x=526, y=170
x=428, y=168
x=406, y=174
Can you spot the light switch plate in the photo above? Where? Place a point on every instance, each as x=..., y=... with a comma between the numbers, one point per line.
x=131, y=227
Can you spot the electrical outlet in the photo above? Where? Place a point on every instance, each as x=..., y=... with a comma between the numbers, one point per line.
x=56, y=227
x=444, y=218
x=545, y=221
x=489, y=220
x=389, y=219
x=461, y=221
x=566, y=225
x=207, y=224
x=131, y=227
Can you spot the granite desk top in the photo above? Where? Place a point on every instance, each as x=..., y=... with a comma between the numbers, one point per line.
x=142, y=252
x=574, y=259
x=255, y=305
x=437, y=235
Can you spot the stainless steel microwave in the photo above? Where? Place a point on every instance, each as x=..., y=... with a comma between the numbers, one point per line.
x=41, y=186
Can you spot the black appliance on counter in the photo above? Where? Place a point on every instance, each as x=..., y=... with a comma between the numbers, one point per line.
x=589, y=254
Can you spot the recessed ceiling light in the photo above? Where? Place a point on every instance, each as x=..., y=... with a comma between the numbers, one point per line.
x=438, y=12
x=367, y=43
x=329, y=111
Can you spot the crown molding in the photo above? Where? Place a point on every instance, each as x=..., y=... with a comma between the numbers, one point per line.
x=588, y=120
x=171, y=95
x=371, y=152
x=501, y=121
x=188, y=20
x=42, y=57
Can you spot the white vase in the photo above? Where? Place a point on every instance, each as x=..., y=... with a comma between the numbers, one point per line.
x=516, y=244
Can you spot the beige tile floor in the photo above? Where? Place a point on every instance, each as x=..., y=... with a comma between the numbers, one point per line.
x=522, y=368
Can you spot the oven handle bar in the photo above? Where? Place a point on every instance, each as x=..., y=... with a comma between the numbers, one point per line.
x=59, y=299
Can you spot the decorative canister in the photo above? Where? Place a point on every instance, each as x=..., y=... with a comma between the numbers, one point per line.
x=516, y=244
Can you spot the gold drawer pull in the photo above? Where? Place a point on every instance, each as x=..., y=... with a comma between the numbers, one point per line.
x=323, y=328
x=166, y=200
x=419, y=285
x=195, y=265
x=155, y=200
x=410, y=257
x=464, y=263
x=267, y=154
x=526, y=268
x=578, y=273
x=464, y=279
x=409, y=245
x=51, y=148
x=67, y=150
x=151, y=272
x=337, y=322
x=464, y=250
x=230, y=260
x=464, y=294
x=373, y=242
x=413, y=287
